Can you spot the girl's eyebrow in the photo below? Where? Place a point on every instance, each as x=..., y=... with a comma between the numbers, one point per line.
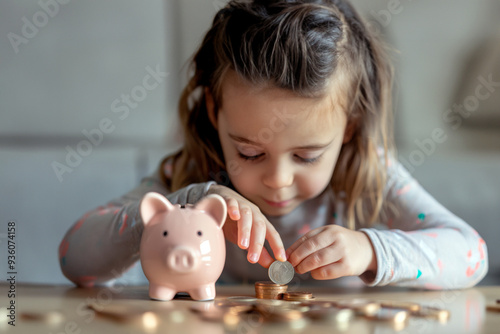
x=306, y=147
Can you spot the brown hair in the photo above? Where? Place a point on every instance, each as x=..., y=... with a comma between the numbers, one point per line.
x=300, y=46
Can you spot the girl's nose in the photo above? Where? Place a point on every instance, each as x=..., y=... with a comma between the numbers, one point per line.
x=278, y=175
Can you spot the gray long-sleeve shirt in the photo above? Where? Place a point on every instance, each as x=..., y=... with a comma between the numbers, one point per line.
x=417, y=243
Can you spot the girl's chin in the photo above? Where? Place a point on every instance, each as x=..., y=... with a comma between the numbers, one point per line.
x=277, y=209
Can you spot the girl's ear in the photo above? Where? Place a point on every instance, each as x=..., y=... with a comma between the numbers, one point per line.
x=349, y=131
x=210, y=103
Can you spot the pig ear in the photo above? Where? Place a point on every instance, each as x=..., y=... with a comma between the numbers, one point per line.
x=151, y=204
x=215, y=206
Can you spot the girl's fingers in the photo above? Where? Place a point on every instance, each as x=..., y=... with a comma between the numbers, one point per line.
x=233, y=209
x=308, y=244
x=274, y=239
x=265, y=259
x=301, y=240
x=330, y=271
x=244, y=228
x=318, y=259
x=252, y=231
x=257, y=239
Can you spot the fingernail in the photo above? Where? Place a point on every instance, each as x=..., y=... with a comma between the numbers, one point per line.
x=254, y=257
x=283, y=256
x=234, y=212
x=245, y=242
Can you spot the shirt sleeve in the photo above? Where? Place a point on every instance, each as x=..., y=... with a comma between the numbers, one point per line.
x=424, y=245
x=104, y=242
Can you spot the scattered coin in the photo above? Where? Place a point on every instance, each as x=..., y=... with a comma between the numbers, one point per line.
x=433, y=313
x=413, y=307
x=49, y=317
x=318, y=304
x=331, y=314
x=117, y=312
x=279, y=314
x=390, y=314
x=397, y=317
x=281, y=272
x=297, y=296
x=360, y=306
x=209, y=312
x=494, y=308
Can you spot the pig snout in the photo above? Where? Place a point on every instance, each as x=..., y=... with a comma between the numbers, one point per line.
x=183, y=259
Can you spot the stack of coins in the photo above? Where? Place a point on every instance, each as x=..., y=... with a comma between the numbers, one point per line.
x=269, y=290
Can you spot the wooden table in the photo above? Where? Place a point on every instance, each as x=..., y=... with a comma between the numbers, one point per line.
x=467, y=307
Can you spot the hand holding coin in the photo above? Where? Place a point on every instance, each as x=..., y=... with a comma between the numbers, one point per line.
x=332, y=251
x=247, y=227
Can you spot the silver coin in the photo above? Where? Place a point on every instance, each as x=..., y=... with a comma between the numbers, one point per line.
x=281, y=272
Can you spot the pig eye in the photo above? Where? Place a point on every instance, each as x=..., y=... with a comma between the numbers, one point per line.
x=165, y=233
x=199, y=233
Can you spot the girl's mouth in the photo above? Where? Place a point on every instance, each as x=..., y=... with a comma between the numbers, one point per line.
x=278, y=204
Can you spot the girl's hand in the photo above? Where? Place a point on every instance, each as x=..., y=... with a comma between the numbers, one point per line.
x=332, y=251
x=248, y=228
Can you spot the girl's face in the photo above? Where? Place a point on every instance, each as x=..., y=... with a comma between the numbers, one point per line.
x=280, y=149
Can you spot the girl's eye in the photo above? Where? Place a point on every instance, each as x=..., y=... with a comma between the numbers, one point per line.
x=308, y=160
x=302, y=160
x=250, y=157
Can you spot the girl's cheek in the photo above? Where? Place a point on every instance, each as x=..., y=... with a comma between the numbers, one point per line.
x=313, y=183
x=234, y=168
x=241, y=177
x=313, y=188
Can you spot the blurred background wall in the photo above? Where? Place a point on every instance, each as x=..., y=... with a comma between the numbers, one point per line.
x=88, y=94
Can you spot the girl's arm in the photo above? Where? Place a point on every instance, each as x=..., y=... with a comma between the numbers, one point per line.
x=425, y=244
x=104, y=243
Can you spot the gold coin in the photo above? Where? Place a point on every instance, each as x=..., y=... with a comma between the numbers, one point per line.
x=297, y=295
x=360, y=306
x=494, y=308
x=49, y=317
x=333, y=314
x=117, y=311
x=433, y=313
x=390, y=314
x=278, y=313
x=413, y=307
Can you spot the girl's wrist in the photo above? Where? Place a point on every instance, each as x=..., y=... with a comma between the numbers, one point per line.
x=372, y=263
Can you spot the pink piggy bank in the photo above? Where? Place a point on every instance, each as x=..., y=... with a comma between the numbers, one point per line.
x=182, y=248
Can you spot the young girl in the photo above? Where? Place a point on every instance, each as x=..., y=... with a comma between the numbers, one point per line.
x=287, y=117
